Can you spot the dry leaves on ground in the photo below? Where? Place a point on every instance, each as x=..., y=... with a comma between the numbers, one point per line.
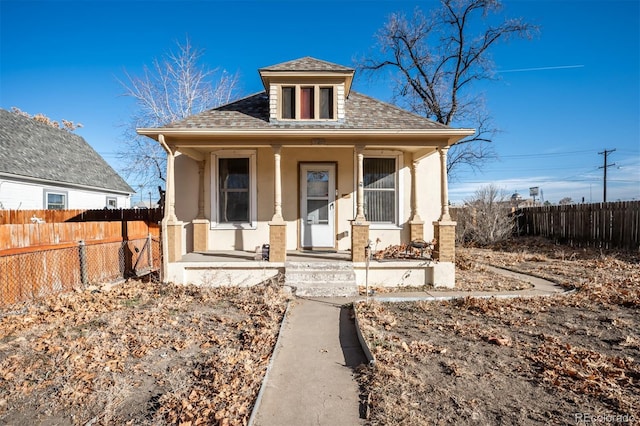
x=139, y=353
x=517, y=361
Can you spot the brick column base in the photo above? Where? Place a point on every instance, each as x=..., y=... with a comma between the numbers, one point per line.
x=445, y=234
x=277, y=242
x=359, y=240
x=416, y=230
x=174, y=241
x=201, y=234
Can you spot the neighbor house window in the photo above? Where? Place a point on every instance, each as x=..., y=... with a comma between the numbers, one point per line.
x=307, y=103
x=380, y=190
x=112, y=203
x=56, y=200
x=234, y=201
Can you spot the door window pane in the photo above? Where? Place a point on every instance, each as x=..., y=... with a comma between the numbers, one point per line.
x=317, y=211
x=317, y=184
x=234, y=189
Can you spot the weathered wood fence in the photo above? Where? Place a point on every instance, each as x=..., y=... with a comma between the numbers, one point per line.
x=607, y=225
x=44, y=251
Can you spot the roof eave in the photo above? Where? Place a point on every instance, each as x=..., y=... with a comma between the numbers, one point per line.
x=452, y=135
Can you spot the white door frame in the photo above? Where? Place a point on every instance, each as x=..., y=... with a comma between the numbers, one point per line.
x=316, y=231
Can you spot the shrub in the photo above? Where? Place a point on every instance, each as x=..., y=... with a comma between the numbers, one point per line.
x=485, y=218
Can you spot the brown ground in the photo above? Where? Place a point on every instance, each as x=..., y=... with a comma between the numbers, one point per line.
x=552, y=360
x=139, y=353
x=144, y=353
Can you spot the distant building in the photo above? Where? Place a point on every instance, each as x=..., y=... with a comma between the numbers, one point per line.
x=42, y=167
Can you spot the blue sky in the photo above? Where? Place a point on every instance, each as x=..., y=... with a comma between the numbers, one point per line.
x=562, y=97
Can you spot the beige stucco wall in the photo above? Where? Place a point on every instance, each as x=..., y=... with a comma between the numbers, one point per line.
x=187, y=184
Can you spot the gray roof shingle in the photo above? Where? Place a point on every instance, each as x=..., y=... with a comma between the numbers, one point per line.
x=32, y=149
x=307, y=64
x=252, y=113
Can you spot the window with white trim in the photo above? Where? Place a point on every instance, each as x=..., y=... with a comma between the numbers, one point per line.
x=112, y=203
x=234, y=189
x=307, y=102
x=55, y=200
x=382, y=187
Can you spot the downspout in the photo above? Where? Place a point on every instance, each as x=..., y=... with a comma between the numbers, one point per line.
x=163, y=223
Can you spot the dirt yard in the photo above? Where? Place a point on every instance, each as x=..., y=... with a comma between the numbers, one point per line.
x=571, y=359
x=138, y=353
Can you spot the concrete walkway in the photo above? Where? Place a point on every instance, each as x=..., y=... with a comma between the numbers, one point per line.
x=311, y=381
x=541, y=287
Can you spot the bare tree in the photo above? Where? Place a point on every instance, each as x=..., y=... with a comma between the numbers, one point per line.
x=485, y=218
x=565, y=201
x=436, y=59
x=67, y=125
x=174, y=87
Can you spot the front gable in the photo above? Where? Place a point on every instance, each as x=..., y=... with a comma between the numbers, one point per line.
x=307, y=89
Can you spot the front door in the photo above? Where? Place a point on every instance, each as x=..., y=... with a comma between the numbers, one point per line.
x=317, y=205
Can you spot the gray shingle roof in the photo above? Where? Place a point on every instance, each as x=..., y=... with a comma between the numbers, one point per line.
x=32, y=149
x=307, y=64
x=361, y=112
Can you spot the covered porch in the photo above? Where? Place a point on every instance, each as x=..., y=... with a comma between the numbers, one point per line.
x=326, y=213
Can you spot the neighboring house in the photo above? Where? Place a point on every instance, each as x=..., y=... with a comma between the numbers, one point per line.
x=308, y=166
x=42, y=167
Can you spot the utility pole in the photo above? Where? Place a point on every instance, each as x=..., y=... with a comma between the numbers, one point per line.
x=605, y=166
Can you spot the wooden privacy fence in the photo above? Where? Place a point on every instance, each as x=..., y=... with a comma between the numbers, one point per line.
x=14, y=217
x=37, y=259
x=607, y=225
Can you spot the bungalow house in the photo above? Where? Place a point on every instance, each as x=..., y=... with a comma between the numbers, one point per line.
x=313, y=169
x=42, y=167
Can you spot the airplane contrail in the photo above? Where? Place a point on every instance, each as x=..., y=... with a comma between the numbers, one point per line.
x=561, y=67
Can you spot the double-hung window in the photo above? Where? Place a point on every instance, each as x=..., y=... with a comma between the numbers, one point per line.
x=234, y=189
x=381, y=188
x=112, y=203
x=307, y=102
x=55, y=200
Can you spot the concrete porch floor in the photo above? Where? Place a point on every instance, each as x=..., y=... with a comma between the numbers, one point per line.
x=241, y=268
x=247, y=256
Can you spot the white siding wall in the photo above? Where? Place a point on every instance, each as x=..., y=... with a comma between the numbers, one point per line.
x=340, y=99
x=273, y=102
x=16, y=195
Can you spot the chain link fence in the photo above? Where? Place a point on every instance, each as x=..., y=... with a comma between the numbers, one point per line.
x=34, y=274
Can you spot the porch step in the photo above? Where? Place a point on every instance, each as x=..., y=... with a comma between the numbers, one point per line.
x=321, y=279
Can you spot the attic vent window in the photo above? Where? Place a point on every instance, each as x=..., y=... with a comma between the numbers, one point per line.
x=289, y=102
x=307, y=102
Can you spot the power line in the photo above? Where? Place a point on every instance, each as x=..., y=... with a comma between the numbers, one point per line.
x=605, y=167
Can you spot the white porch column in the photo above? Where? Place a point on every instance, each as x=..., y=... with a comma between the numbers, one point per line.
x=444, y=186
x=359, y=226
x=416, y=225
x=171, y=226
x=277, y=226
x=200, y=190
x=415, y=205
x=360, y=189
x=277, y=215
x=170, y=190
x=201, y=224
